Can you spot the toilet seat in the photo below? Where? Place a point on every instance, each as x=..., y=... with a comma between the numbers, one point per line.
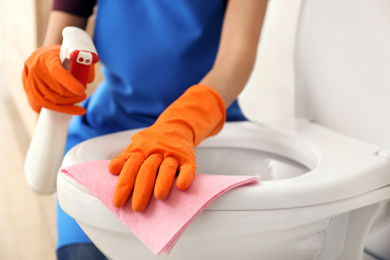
x=344, y=165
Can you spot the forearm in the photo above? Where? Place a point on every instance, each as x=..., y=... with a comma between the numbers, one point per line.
x=230, y=75
x=57, y=22
x=238, y=48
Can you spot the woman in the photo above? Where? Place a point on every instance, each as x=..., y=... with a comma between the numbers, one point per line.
x=175, y=67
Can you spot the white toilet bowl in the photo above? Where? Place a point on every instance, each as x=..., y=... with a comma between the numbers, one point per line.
x=320, y=194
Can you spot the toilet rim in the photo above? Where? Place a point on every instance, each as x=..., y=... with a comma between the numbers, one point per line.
x=305, y=142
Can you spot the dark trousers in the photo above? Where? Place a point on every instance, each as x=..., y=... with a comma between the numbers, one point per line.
x=80, y=252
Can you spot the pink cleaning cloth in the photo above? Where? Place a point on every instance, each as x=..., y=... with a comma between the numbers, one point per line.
x=159, y=226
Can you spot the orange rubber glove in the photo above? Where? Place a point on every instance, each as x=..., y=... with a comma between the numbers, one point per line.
x=157, y=153
x=47, y=84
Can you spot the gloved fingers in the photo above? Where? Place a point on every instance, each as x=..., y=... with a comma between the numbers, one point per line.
x=186, y=176
x=35, y=79
x=41, y=95
x=56, y=88
x=67, y=107
x=47, y=84
x=116, y=164
x=65, y=79
x=165, y=178
x=145, y=181
x=126, y=179
x=44, y=65
x=56, y=98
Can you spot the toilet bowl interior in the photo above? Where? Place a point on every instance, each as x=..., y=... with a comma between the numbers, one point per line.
x=240, y=161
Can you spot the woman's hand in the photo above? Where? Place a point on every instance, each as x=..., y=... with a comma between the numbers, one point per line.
x=47, y=84
x=167, y=147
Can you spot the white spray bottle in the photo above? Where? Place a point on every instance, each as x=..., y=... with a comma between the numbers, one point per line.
x=47, y=147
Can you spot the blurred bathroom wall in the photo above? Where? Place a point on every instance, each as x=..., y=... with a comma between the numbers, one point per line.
x=22, y=30
x=3, y=89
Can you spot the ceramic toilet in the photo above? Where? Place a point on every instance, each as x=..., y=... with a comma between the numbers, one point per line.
x=325, y=179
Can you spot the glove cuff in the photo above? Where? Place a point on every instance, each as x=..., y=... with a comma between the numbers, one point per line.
x=200, y=108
